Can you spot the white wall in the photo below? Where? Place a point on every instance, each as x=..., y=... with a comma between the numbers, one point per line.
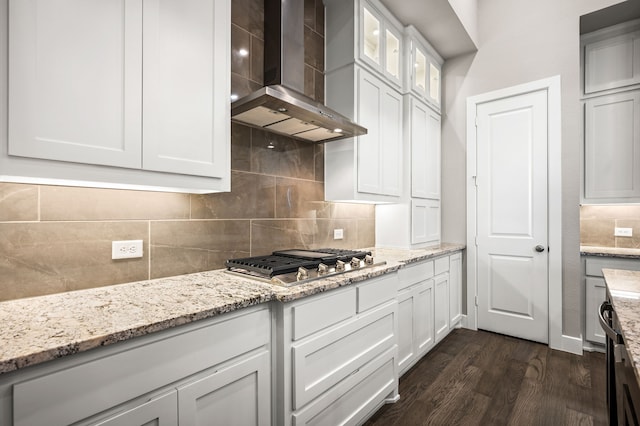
x=467, y=11
x=520, y=41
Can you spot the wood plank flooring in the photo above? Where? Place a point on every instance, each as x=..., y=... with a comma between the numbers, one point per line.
x=482, y=378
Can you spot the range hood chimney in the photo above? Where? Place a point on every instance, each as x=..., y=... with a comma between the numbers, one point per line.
x=280, y=106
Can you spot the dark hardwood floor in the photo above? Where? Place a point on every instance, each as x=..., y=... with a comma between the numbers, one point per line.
x=482, y=378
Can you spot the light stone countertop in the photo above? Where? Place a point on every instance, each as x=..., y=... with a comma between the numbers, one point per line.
x=624, y=289
x=629, y=253
x=39, y=329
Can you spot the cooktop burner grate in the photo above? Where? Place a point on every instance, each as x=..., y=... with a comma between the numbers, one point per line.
x=287, y=261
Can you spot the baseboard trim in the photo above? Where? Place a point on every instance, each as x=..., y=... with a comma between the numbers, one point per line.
x=570, y=344
x=592, y=347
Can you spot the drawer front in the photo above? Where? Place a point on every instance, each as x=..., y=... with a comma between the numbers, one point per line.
x=594, y=265
x=414, y=274
x=311, y=316
x=376, y=291
x=352, y=399
x=70, y=395
x=441, y=265
x=325, y=360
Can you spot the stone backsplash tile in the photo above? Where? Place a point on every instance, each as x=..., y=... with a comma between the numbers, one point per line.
x=366, y=233
x=241, y=86
x=597, y=232
x=182, y=247
x=324, y=234
x=257, y=60
x=251, y=196
x=634, y=240
x=297, y=198
x=240, y=42
x=240, y=147
x=18, y=202
x=318, y=155
x=249, y=15
x=289, y=158
x=270, y=235
x=45, y=258
x=60, y=203
x=313, y=49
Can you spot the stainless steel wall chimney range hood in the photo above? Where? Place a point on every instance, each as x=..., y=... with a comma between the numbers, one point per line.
x=280, y=106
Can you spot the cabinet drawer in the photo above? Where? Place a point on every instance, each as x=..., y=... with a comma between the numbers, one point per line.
x=311, y=317
x=352, y=399
x=594, y=265
x=414, y=274
x=441, y=265
x=377, y=291
x=70, y=395
x=324, y=361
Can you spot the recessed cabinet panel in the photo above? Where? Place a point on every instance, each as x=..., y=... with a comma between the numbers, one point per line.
x=434, y=83
x=420, y=73
x=441, y=306
x=612, y=62
x=185, y=79
x=74, y=81
x=161, y=411
x=595, y=294
x=425, y=221
x=425, y=151
x=612, y=147
x=380, y=150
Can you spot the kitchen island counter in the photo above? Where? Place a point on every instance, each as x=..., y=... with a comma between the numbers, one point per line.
x=623, y=288
x=44, y=328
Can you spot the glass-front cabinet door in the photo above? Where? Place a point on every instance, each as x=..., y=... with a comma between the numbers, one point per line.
x=434, y=83
x=381, y=42
x=393, y=55
x=424, y=68
x=420, y=70
x=371, y=35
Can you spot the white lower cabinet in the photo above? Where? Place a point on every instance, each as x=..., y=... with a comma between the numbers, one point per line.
x=342, y=367
x=595, y=291
x=455, y=289
x=161, y=411
x=212, y=370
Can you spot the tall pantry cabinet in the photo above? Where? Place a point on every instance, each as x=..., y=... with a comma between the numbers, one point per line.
x=414, y=222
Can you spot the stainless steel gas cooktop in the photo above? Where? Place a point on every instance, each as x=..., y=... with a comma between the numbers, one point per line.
x=298, y=266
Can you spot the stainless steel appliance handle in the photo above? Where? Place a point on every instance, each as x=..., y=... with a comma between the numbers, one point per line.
x=604, y=317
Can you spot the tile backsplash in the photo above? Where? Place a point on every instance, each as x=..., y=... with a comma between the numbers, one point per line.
x=55, y=239
x=597, y=225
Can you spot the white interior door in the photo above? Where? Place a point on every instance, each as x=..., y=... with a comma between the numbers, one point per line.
x=512, y=236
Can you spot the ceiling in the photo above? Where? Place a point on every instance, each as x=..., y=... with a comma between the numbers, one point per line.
x=437, y=21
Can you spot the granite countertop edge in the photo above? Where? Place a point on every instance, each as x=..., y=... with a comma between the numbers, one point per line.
x=106, y=315
x=629, y=253
x=623, y=289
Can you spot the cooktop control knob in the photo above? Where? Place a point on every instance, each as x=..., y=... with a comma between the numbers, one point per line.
x=355, y=263
x=303, y=274
x=340, y=266
x=368, y=260
x=323, y=269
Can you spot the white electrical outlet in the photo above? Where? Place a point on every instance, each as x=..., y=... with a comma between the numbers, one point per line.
x=126, y=249
x=623, y=232
x=338, y=234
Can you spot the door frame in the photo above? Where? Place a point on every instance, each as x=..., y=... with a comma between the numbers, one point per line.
x=554, y=194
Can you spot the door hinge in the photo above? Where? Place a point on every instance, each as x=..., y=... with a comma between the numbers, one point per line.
x=476, y=121
x=475, y=180
x=476, y=240
x=476, y=300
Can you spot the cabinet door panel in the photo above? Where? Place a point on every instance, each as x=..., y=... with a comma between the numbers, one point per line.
x=425, y=221
x=369, y=109
x=611, y=63
x=162, y=411
x=236, y=395
x=391, y=142
x=186, y=86
x=612, y=146
x=595, y=295
x=406, y=332
x=75, y=81
x=441, y=306
x=455, y=289
x=424, y=315
x=425, y=151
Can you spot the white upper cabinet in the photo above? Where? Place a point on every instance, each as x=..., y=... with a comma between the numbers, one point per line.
x=612, y=148
x=423, y=68
x=366, y=32
x=611, y=57
x=424, y=137
x=143, y=91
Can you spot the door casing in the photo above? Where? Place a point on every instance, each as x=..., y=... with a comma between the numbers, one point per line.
x=553, y=88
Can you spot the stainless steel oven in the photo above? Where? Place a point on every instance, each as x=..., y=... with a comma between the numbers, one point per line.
x=623, y=392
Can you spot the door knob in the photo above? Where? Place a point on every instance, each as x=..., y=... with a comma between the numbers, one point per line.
x=539, y=248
